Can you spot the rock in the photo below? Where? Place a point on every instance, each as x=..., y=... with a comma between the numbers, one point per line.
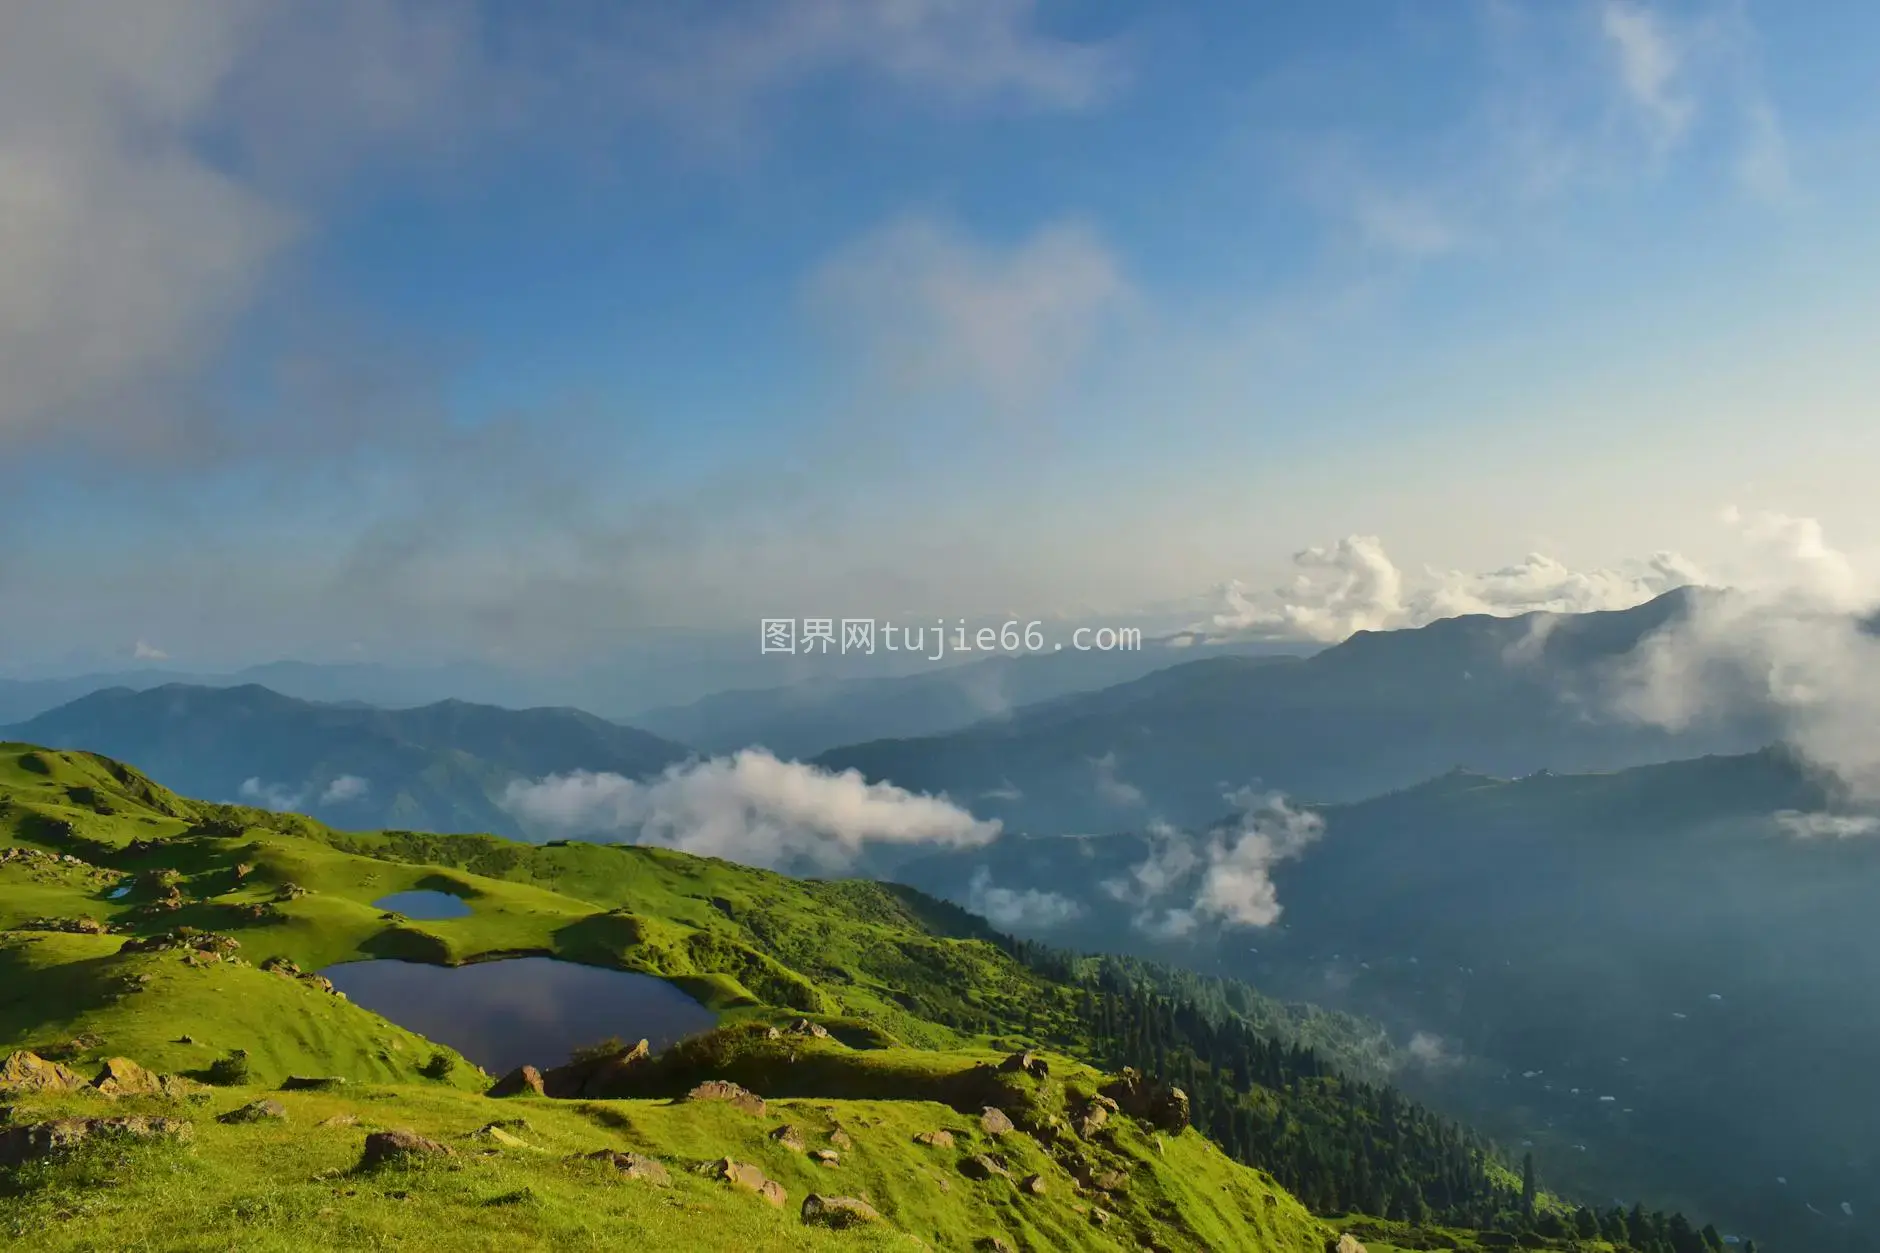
x=256, y=1111
x=339, y=1120
x=838, y=1211
x=935, y=1139
x=1110, y=1181
x=790, y=1136
x=840, y=1139
x=29, y=1072
x=1034, y=1184
x=1028, y=1062
x=595, y=1078
x=635, y=1166
x=1100, y=1217
x=1162, y=1105
x=804, y=1026
x=751, y=1179
x=313, y=1083
x=523, y=1080
x=994, y=1121
x=1346, y=1243
x=730, y=1093
x=123, y=1077
x=502, y=1137
x=383, y=1147
x=46, y=1139
x=826, y=1157
x=981, y=1166
x=177, y=1088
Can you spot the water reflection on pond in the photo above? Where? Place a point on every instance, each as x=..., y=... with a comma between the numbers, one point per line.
x=524, y=1010
x=424, y=906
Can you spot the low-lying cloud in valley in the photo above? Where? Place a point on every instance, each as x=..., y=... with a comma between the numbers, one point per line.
x=1795, y=643
x=1014, y=910
x=342, y=790
x=749, y=807
x=1229, y=872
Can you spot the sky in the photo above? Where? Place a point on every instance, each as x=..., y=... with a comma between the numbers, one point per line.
x=539, y=334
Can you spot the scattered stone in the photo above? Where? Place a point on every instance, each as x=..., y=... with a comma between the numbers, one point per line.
x=522, y=1081
x=123, y=1077
x=790, y=1136
x=804, y=1026
x=1034, y=1184
x=313, y=1083
x=256, y=1111
x=45, y=1139
x=384, y=1147
x=29, y=1072
x=1110, y=1181
x=67, y=926
x=1159, y=1104
x=340, y=1120
x=730, y=1093
x=982, y=1166
x=635, y=1166
x=838, y=1211
x=935, y=1139
x=840, y=1139
x=751, y=1179
x=826, y=1157
x=502, y=1137
x=1100, y=1217
x=994, y=1121
x=1028, y=1062
x=1347, y=1243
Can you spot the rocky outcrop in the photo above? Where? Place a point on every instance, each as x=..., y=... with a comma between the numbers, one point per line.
x=256, y=1111
x=804, y=1026
x=750, y=1179
x=522, y=1081
x=32, y=1141
x=730, y=1093
x=838, y=1211
x=389, y=1147
x=1162, y=1105
x=123, y=1077
x=595, y=1078
x=29, y=1072
x=791, y=1137
x=1027, y=1062
x=934, y=1139
x=635, y=1166
x=984, y=1166
x=994, y=1121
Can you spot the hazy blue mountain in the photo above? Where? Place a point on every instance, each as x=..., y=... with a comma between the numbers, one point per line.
x=1661, y=936
x=807, y=718
x=1383, y=709
x=436, y=767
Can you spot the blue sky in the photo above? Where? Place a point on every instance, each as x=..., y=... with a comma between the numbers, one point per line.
x=439, y=330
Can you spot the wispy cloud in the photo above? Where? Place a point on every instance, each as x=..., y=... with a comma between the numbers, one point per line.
x=1225, y=878
x=1111, y=788
x=345, y=789
x=932, y=309
x=1014, y=910
x=750, y=808
x=1650, y=64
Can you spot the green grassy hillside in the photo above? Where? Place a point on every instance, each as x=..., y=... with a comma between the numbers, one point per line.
x=137, y=924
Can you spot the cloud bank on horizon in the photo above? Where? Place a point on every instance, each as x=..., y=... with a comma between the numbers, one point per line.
x=749, y=807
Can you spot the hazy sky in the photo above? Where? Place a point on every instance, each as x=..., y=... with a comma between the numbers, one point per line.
x=405, y=330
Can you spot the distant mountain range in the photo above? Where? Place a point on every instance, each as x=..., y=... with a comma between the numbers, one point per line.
x=807, y=718
x=1380, y=711
x=1671, y=966
x=440, y=767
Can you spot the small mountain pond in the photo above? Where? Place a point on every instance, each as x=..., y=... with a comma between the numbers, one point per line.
x=523, y=1010
x=424, y=905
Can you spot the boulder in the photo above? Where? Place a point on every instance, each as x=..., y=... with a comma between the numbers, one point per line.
x=32, y=1141
x=840, y=1139
x=838, y=1211
x=994, y=1121
x=751, y=1179
x=635, y=1166
x=383, y=1147
x=1159, y=1104
x=29, y=1072
x=804, y=1026
x=256, y=1111
x=1034, y=1184
x=935, y=1139
x=1346, y=1243
x=522, y=1081
x=123, y=1077
x=983, y=1166
x=826, y=1157
x=1110, y=1181
x=730, y=1093
x=594, y=1078
x=790, y=1136
x=1027, y=1062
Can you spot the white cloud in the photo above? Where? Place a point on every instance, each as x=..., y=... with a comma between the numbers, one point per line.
x=346, y=788
x=1650, y=61
x=275, y=796
x=1826, y=826
x=1111, y=788
x=1230, y=873
x=1009, y=909
x=935, y=310
x=750, y=808
x=1430, y=1051
x=144, y=651
x=1788, y=643
x=1353, y=585
x=1006, y=791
